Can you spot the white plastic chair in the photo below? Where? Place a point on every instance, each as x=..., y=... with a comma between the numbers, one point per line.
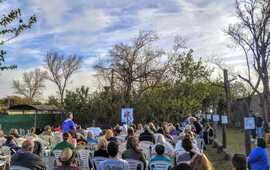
x=160, y=165
x=134, y=164
x=57, y=154
x=2, y=164
x=84, y=156
x=97, y=160
x=147, y=148
x=19, y=168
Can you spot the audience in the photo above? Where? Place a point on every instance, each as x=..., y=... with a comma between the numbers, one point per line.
x=101, y=148
x=147, y=135
x=124, y=142
x=113, y=162
x=2, y=137
x=11, y=143
x=239, y=162
x=67, y=159
x=133, y=151
x=189, y=152
x=182, y=166
x=258, y=157
x=14, y=133
x=109, y=135
x=169, y=150
x=200, y=162
x=91, y=139
x=26, y=158
x=160, y=149
x=64, y=144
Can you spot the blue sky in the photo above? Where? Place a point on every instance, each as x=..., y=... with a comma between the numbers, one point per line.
x=89, y=28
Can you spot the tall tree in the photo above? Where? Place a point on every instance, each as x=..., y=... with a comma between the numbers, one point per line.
x=12, y=25
x=252, y=34
x=60, y=69
x=135, y=65
x=31, y=85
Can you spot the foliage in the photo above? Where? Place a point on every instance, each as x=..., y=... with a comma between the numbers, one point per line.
x=12, y=25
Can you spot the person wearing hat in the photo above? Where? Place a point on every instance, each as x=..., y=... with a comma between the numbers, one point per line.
x=67, y=159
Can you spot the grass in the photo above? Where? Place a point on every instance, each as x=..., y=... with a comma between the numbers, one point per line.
x=235, y=140
x=217, y=159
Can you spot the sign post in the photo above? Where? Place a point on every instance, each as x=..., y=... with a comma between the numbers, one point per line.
x=127, y=116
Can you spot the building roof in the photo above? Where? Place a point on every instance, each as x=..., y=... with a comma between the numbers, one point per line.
x=35, y=107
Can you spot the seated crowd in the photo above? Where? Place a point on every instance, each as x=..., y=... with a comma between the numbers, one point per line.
x=177, y=146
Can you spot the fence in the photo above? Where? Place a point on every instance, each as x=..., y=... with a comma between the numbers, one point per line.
x=25, y=122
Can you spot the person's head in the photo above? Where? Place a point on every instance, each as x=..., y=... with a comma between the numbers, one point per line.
x=152, y=126
x=133, y=143
x=14, y=132
x=67, y=157
x=261, y=143
x=177, y=126
x=239, y=162
x=161, y=139
x=37, y=148
x=200, y=162
x=183, y=166
x=109, y=134
x=113, y=149
x=66, y=136
x=160, y=149
x=102, y=143
x=48, y=128
x=10, y=139
x=33, y=130
x=28, y=145
x=140, y=126
x=130, y=131
x=70, y=115
x=2, y=134
x=90, y=134
x=187, y=144
x=118, y=131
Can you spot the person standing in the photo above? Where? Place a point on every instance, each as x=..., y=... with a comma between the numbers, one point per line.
x=68, y=124
x=259, y=126
x=258, y=157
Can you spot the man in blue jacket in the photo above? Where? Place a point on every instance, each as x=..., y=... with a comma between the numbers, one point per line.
x=258, y=157
x=68, y=124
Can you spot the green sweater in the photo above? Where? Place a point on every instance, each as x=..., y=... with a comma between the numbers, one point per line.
x=63, y=145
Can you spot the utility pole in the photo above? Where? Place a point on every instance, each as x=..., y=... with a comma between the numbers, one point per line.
x=228, y=106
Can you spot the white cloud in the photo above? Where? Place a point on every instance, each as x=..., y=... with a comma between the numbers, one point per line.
x=80, y=26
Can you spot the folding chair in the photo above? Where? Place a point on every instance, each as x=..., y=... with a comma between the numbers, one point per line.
x=19, y=168
x=134, y=164
x=57, y=154
x=159, y=165
x=84, y=157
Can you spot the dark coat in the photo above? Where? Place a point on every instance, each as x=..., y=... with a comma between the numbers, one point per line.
x=147, y=136
x=28, y=160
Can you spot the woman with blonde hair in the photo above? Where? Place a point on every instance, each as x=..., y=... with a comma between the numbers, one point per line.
x=201, y=162
x=109, y=135
x=102, y=148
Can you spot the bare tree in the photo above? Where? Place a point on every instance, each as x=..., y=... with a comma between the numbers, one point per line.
x=60, y=69
x=252, y=34
x=31, y=85
x=134, y=66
